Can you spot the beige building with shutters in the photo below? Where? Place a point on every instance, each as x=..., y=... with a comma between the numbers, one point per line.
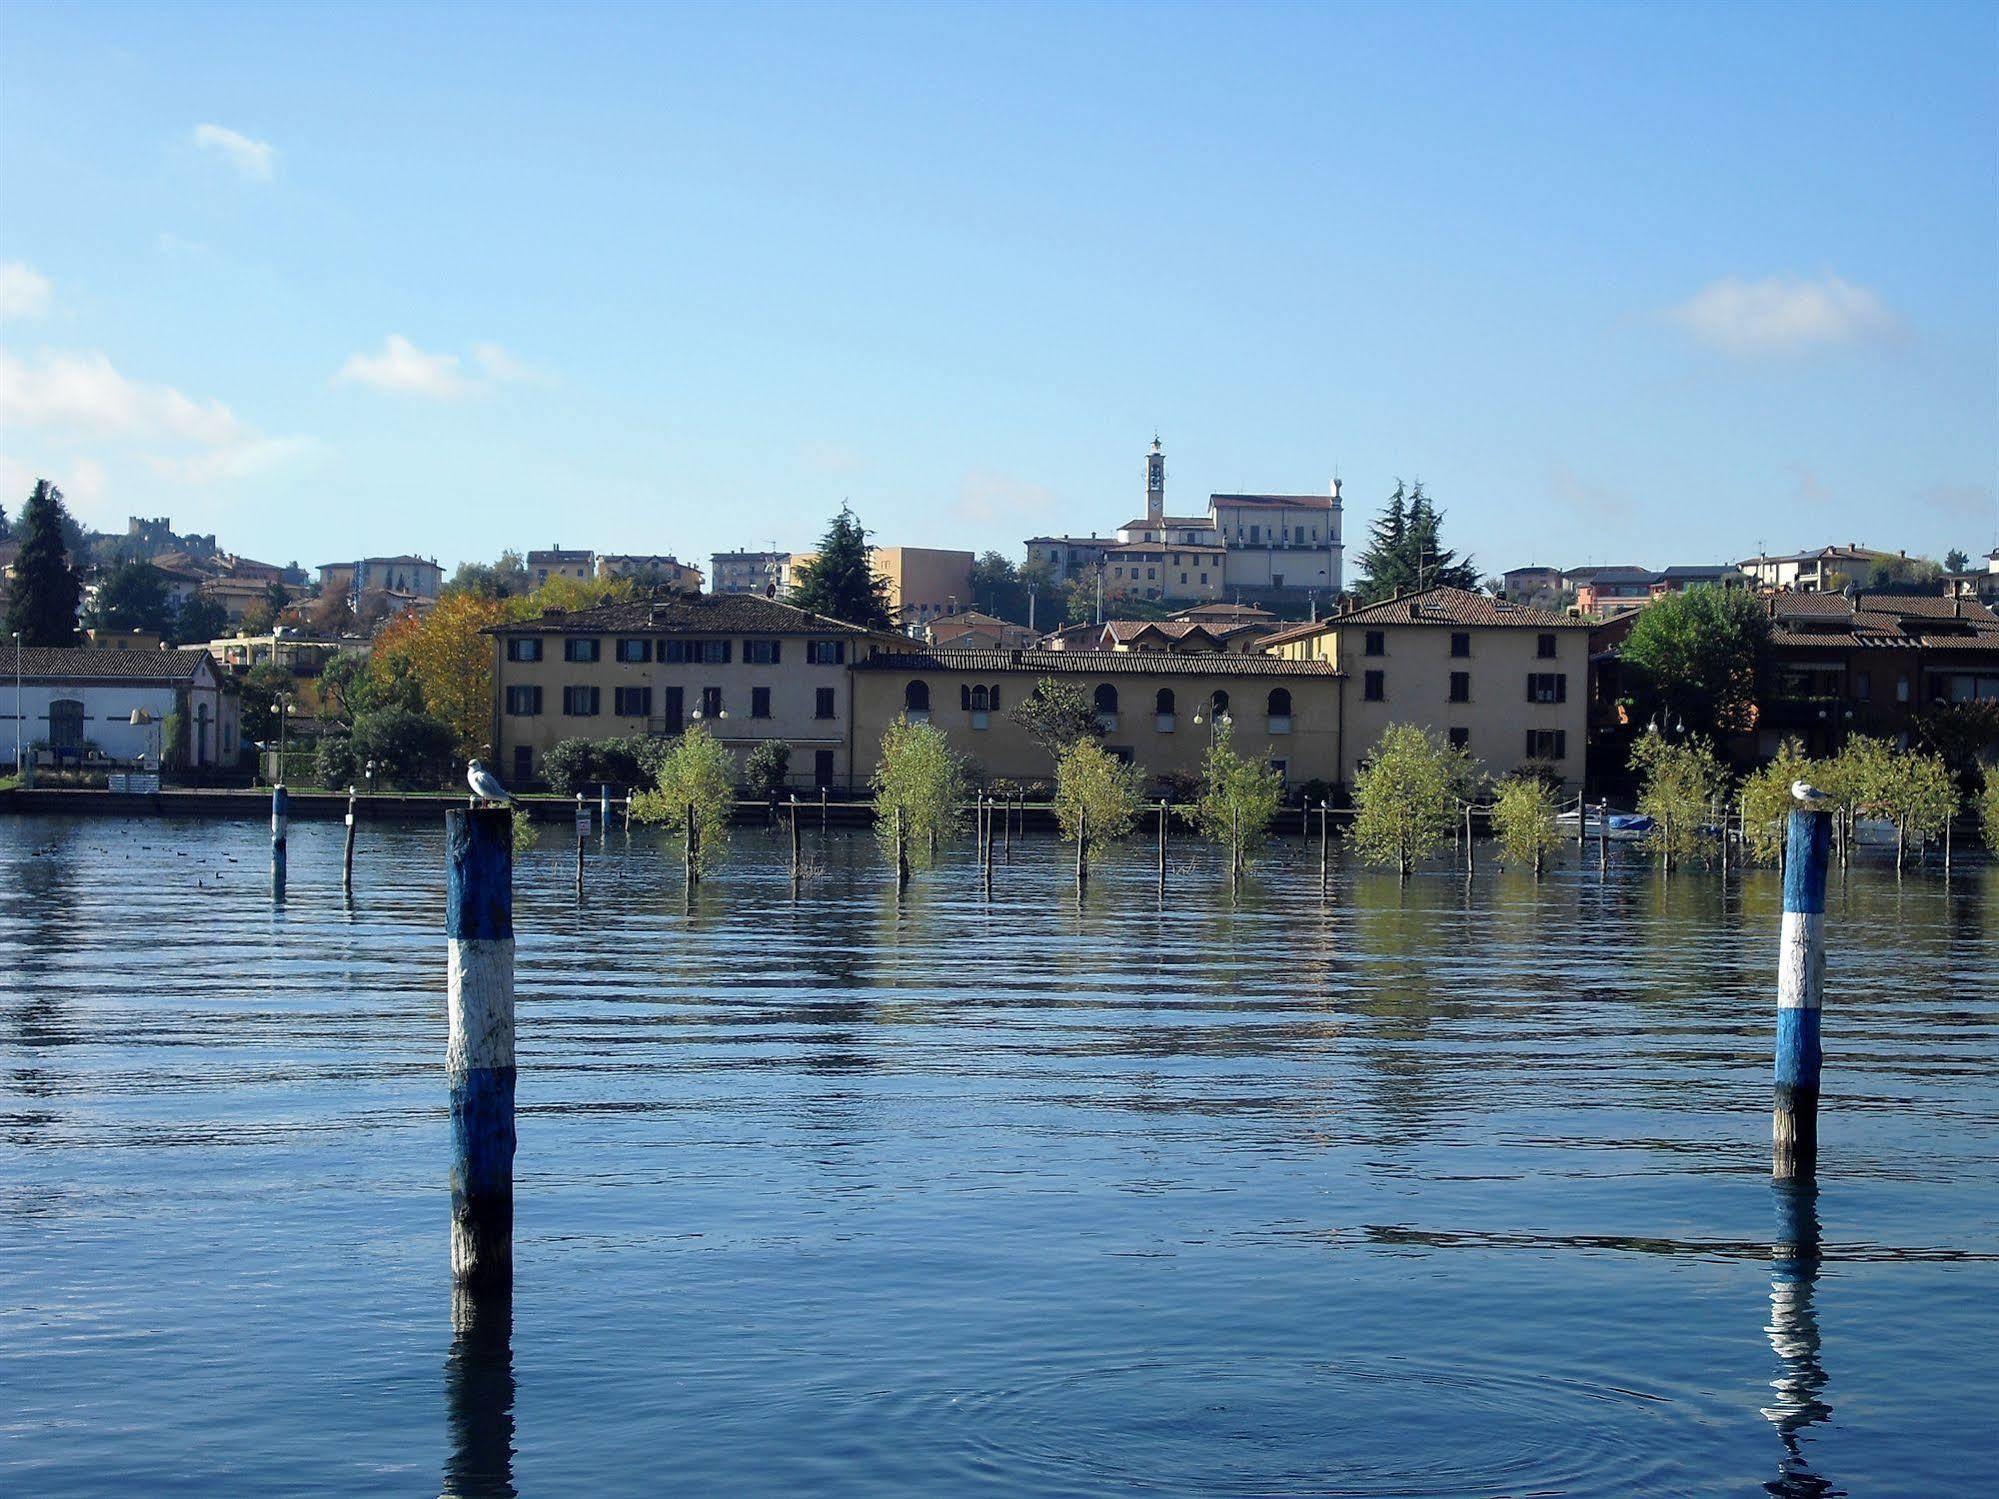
x=1507, y=683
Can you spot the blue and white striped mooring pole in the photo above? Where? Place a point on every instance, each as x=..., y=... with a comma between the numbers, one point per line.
x=479, y=1056
x=1794, y=1125
x=281, y=818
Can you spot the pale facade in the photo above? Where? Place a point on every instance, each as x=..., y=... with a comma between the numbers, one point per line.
x=1508, y=684
x=1158, y=712
x=746, y=668
x=924, y=583
x=74, y=701
x=768, y=573
x=667, y=571
x=577, y=564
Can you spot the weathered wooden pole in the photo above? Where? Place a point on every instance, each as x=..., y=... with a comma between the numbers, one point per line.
x=901, y=850
x=1325, y=845
x=280, y=830
x=582, y=835
x=1603, y=837
x=1235, y=844
x=479, y=1049
x=347, y=852
x=604, y=805
x=1794, y=1129
x=628, y=811
x=1082, y=838
x=1162, y=847
x=1724, y=840
x=1006, y=829
x=992, y=836
x=1946, y=848
x=797, y=867
x=1582, y=823
x=692, y=848
x=1471, y=859
x=822, y=811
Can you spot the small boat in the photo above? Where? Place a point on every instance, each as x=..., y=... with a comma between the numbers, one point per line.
x=1625, y=827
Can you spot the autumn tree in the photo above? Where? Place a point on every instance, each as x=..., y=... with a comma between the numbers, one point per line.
x=450, y=662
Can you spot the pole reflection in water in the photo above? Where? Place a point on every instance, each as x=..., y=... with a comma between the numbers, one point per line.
x=479, y=1395
x=1794, y=1338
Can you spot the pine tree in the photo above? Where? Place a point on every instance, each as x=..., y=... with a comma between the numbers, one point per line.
x=1405, y=551
x=1383, y=561
x=1434, y=563
x=3, y=522
x=841, y=581
x=43, y=601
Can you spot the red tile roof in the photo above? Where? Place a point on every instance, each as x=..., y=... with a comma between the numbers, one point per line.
x=1457, y=606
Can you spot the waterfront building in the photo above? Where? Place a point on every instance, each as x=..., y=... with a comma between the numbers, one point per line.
x=1507, y=683
x=750, y=669
x=76, y=701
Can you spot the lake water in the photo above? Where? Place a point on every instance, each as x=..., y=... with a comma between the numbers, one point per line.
x=1427, y=1189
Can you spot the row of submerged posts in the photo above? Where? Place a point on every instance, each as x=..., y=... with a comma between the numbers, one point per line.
x=479, y=1047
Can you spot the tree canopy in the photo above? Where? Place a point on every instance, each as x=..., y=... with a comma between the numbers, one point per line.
x=1701, y=657
x=199, y=620
x=1057, y=714
x=1000, y=588
x=133, y=597
x=504, y=578
x=1405, y=549
x=43, y=600
x=841, y=581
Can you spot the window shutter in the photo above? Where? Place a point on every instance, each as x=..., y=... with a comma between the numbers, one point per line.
x=993, y=697
x=965, y=698
x=1561, y=744
x=1530, y=686
x=725, y=651
x=1561, y=687
x=1530, y=744
x=776, y=652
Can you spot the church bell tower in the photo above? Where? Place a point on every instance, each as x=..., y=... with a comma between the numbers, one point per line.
x=1155, y=482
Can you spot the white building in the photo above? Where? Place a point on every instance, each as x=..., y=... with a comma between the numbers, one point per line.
x=70, y=702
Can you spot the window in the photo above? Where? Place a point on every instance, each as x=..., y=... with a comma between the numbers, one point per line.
x=634, y=650
x=1218, y=705
x=1863, y=686
x=1255, y=533
x=760, y=702
x=579, y=649
x=1460, y=686
x=1545, y=647
x=1460, y=737
x=523, y=762
x=707, y=652
x=1162, y=710
x=1204, y=580
x=1105, y=702
x=66, y=724
x=822, y=767
x=1278, y=707
x=1547, y=687
x=762, y=652
x=1547, y=744
x=1376, y=643
x=822, y=703
x=711, y=702
x=523, y=702
x=826, y=652
x=631, y=702
x=1460, y=642
x=523, y=649
x=1374, y=687
x=580, y=702
x=916, y=702
x=670, y=710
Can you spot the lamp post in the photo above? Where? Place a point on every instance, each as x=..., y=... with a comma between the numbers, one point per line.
x=19, y=768
x=371, y=778
x=145, y=718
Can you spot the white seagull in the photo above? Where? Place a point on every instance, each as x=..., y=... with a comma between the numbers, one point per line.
x=1804, y=791
x=485, y=786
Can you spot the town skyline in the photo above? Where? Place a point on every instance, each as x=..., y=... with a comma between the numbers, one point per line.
x=1762, y=322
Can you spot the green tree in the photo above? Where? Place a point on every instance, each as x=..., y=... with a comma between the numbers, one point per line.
x=1766, y=803
x=1405, y=549
x=3, y=522
x=841, y=581
x=1057, y=714
x=43, y=601
x=1918, y=794
x=1079, y=596
x=259, y=692
x=411, y=751
x=633, y=761
x=767, y=767
x=1406, y=796
x=1683, y=783
x=1523, y=815
x=1956, y=560
x=503, y=579
x=199, y=620
x=1239, y=797
x=259, y=618
x=133, y=597
x=278, y=597
x=697, y=772
x=998, y=588
x=920, y=777
x=1096, y=795
x=1963, y=733
x=1701, y=658
x=1988, y=807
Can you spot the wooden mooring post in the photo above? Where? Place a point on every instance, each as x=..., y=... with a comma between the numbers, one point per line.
x=901, y=852
x=1162, y=848
x=347, y=851
x=1794, y=1127
x=1603, y=837
x=479, y=1047
x=582, y=836
x=1082, y=841
x=797, y=864
x=1325, y=846
x=692, y=847
x=280, y=831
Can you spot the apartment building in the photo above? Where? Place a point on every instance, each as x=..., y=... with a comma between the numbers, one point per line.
x=1507, y=683
x=748, y=668
x=558, y=562
x=924, y=583
x=767, y=573
x=661, y=571
x=1157, y=711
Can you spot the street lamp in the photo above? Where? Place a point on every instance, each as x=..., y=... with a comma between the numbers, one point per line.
x=284, y=706
x=145, y=718
x=371, y=778
x=19, y=768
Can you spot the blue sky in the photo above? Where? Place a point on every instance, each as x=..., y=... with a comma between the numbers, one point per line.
x=1636, y=284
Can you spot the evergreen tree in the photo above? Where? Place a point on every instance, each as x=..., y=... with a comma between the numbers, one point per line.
x=200, y=620
x=1434, y=563
x=1384, y=560
x=3, y=522
x=133, y=597
x=43, y=601
x=841, y=581
x=1405, y=550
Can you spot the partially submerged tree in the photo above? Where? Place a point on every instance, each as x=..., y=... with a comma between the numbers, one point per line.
x=1239, y=797
x=1096, y=795
x=1918, y=794
x=919, y=784
x=697, y=775
x=1765, y=801
x=767, y=767
x=1684, y=782
x=1988, y=808
x=1523, y=816
x=1056, y=715
x=1407, y=796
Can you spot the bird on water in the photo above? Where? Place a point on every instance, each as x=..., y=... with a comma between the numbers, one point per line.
x=1804, y=791
x=485, y=785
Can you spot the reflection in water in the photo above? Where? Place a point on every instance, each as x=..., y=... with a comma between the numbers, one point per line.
x=1794, y=1338
x=479, y=1395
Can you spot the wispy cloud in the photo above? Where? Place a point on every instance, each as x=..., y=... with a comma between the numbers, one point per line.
x=254, y=160
x=401, y=368
x=238, y=460
x=24, y=291
x=1962, y=502
x=1785, y=315
x=1592, y=500
x=984, y=495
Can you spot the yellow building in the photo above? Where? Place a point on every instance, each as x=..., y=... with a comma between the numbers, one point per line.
x=924, y=583
x=750, y=669
x=1507, y=683
x=1157, y=711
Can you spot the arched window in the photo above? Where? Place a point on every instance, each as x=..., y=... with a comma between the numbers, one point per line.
x=1218, y=705
x=992, y=697
x=1106, y=698
x=1280, y=702
x=976, y=699
x=66, y=724
x=916, y=699
x=1164, y=702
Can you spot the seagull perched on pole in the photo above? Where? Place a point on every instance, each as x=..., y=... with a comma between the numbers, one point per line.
x=1805, y=792
x=485, y=785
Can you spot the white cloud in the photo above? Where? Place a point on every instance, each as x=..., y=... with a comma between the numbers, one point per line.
x=254, y=160
x=987, y=496
x=24, y=291
x=404, y=369
x=239, y=460
x=85, y=393
x=1784, y=315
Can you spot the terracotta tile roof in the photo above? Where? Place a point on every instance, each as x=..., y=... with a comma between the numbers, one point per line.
x=1172, y=629
x=1095, y=663
x=1457, y=606
x=46, y=663
x=687, y=613
x=1304, y=631
x=1222, y=611
x=1275, y=501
